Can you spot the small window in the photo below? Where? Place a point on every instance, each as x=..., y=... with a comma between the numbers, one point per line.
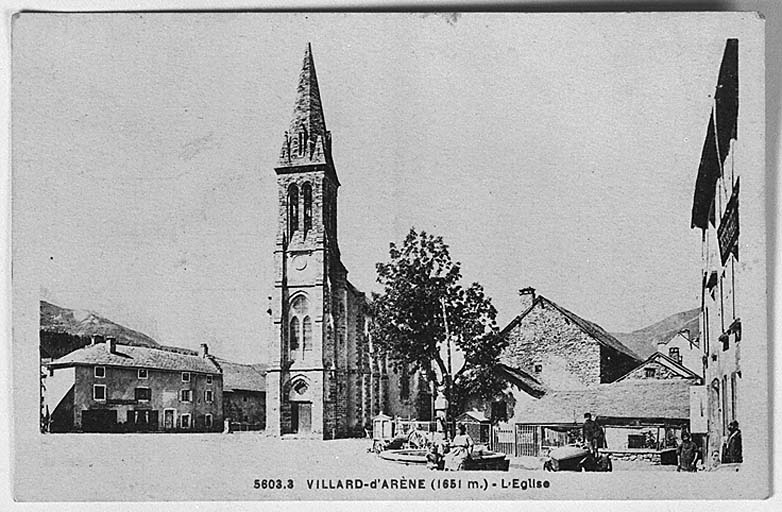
x=143, y=394
x=208, y=396
x=244, y=399
x=100, y=372
x=674, y=354
x=650, y=372
x=208, y=421
x=185, y=376
x=185, y=419
x=208, y=379
x=99, y=392
x=186, y=395
x=538, y=368
x=142, y=373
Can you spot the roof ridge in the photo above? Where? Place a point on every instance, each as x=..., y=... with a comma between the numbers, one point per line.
x=600, y=330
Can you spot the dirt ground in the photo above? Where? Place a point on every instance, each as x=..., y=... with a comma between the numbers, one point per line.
x=216, y=466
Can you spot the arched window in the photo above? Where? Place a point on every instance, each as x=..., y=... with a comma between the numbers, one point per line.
x=306, y=325
x=294, y=338
x=293, y=209
x=300, y=325
x=306, y=191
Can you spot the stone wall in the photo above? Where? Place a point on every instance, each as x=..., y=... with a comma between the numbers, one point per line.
x=660, y=372
x=568, y=357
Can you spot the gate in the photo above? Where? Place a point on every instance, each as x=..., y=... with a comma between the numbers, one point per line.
x=503, y=441
x=526, y=440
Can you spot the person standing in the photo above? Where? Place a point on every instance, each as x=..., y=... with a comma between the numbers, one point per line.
x=589, y=433
x=733, y=449
x=461, y=449
x=688, y=454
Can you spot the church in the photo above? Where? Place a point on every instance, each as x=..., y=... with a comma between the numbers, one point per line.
x=324, y=379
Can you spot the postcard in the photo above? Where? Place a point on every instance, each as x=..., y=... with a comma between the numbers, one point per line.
x=388, y=256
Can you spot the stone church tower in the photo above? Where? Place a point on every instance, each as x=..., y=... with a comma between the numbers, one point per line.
x=323, y=381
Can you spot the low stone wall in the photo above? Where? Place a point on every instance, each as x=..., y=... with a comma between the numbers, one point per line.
x=654, y=457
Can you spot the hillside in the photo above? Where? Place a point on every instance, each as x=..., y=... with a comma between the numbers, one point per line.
x=63, y=330
x=644, y=341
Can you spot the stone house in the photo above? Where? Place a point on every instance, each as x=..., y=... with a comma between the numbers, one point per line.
x=560, y=349
x=244, y=395
x=660, y=366
x=105, y=387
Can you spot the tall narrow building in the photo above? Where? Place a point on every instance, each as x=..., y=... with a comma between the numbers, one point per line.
x=324, y=380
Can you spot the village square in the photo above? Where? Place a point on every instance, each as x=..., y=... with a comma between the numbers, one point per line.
x=353, y=256
x=420, y=375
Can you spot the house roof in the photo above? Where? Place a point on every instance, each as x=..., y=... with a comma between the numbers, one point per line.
x=473, y=415
x=522, y=379
x=137, y=357
x=244, y=377
x=666, y=361
x=590, y=328
x=651, y=399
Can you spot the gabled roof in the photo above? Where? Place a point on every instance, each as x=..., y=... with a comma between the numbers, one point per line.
x=666, y=361
x=474, y=415
x=649, y=399
x=590, y=328
x=244, y=377
x=137, y=357
x=522, y=380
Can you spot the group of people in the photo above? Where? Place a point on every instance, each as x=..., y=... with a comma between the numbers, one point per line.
x=450, y=455
x=688, y=451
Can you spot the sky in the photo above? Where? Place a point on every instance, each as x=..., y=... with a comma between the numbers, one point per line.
x=552, y=151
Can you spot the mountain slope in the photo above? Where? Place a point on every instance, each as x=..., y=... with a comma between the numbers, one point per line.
x=63, y=330
x=644, y=341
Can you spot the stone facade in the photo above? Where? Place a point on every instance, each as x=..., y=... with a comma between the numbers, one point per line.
x=661, y=367
x=245, y=407
x=324, y=380
x=552, y=345
x=654, y=370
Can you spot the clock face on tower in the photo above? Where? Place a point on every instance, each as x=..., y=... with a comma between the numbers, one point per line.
x=300, y=262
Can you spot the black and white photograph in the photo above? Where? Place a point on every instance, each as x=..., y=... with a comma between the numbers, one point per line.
x=319, y=256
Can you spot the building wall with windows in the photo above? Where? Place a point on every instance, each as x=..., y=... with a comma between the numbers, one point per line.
x=141, y=403
x=129, y=389
x=716, y=213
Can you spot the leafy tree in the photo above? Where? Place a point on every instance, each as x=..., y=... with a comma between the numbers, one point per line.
x=423, y=304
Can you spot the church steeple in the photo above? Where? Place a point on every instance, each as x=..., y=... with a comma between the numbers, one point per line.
x=307, y=141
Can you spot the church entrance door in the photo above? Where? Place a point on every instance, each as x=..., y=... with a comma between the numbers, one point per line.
x=301, y=417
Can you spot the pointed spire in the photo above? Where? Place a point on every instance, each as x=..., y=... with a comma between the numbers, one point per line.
x=308, y=111
x=307, y=141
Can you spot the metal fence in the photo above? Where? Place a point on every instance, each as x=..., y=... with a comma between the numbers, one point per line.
x=503, y=440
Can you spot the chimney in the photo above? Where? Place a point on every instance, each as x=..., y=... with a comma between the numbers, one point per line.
x=111, y=344
x=93, y=340
x=527, y=298
x=204, y=350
